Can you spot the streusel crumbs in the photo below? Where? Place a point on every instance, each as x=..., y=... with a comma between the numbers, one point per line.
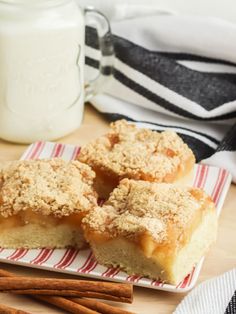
x=136, y=153
x=136, y=207
x=52, y=186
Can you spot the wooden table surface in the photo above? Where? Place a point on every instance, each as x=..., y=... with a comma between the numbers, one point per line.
x=221, y=258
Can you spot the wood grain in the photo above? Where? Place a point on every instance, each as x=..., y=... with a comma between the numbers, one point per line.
x=222, y=256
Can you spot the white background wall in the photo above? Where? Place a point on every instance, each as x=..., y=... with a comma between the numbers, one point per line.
x=218, y=8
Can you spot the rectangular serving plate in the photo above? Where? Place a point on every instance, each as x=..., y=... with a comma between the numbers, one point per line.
x=215, y=181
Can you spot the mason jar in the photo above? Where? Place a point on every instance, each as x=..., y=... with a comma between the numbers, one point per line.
x=42, y=85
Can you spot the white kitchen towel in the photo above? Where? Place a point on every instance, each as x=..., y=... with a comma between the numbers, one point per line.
x=214, y=296
x=172, y=71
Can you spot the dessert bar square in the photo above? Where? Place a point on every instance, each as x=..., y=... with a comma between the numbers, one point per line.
x=140, y=154
x=157, y=230
x=42, y=203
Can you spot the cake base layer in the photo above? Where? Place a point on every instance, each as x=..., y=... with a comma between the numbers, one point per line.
x=34, y=236
x=130, y=257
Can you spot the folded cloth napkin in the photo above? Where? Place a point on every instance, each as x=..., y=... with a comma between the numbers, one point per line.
x=173, y=71
x=214, y=296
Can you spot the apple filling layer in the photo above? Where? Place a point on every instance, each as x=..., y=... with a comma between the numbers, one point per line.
x=28, y=217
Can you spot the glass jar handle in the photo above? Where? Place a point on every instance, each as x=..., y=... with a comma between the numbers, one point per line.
x=105, y=43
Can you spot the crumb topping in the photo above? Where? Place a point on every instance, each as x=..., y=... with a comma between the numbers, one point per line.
x=137, y=153
x=136, y=207
x=51, y=186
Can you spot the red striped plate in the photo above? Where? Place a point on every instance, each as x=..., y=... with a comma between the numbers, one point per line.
x=215, y=181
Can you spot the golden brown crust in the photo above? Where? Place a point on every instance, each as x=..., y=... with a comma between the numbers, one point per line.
x=140, y=154
x=50, y=187
x=166, y=212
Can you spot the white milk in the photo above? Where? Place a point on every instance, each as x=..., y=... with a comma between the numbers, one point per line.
x=41, y=69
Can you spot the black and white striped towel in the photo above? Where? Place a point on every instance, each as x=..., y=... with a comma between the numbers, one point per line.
x=175, y=72
x=214, y=296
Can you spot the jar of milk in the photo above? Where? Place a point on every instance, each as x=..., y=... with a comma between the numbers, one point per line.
x=42, y=87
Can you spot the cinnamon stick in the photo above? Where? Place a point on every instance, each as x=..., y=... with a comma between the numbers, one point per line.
x=100, y=306
x=67, y=287
x=10, y=310
x=67, y=305
x=73, y=305
x=5, y=273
